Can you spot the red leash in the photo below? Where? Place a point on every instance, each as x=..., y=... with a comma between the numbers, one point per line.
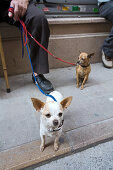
x=25, y=31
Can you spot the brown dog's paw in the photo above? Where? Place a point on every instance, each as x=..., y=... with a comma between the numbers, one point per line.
x=42, y=148
x=82, y=87
x=56, y=147
x=77, y=85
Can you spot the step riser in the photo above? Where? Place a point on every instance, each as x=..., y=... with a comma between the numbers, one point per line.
x=65, y=42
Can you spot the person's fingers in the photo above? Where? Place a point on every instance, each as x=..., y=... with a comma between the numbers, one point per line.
x=23, y=8
x=20, y=8
x=16, y=11
x=13, y=6
x=23, y=12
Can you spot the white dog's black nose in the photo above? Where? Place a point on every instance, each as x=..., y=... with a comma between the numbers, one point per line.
x=55, y=122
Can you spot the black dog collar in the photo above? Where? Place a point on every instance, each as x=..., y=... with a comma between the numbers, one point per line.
x=84, y=66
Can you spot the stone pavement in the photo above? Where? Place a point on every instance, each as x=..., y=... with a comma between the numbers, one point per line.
x=96, y=158
x=88, y=121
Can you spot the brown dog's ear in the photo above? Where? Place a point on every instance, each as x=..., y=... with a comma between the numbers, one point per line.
x=90, y=55
x=66, y=102
x=38, y=104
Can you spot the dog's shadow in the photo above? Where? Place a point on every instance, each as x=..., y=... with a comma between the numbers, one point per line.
x=50, y=143
x=91, y=82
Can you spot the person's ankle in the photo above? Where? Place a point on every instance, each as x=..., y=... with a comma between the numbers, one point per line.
x=36, y=74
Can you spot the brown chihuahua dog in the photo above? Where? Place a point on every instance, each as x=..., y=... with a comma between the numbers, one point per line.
x=83, y=69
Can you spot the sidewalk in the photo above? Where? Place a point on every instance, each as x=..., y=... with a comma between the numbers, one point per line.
x=88, y=121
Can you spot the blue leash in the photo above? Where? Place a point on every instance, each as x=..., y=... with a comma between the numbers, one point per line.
x=48, y=95
x=21, y=28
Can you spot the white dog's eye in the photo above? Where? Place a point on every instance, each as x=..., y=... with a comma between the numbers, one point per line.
x=60, y=114
x=48, y=115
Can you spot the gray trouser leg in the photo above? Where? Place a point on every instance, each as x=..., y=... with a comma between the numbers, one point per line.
x=37, y=25
x=106, y=11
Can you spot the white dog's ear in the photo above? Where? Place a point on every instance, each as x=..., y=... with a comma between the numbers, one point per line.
x=38, y=104
x=66, y=102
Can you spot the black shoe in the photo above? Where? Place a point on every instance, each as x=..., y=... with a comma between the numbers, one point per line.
x=43, y=83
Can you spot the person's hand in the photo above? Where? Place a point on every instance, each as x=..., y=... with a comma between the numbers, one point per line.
x=20, y=7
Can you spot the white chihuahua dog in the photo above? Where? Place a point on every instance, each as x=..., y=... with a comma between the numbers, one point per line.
x=51, y=120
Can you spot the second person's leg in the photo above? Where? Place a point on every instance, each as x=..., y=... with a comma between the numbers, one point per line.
x=106, y=11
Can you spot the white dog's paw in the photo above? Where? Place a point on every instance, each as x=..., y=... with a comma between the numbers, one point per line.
x=56, y=147
x=42, y=147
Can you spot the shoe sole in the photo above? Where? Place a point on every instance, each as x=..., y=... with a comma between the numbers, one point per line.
x=106, y=65
x=103, y=58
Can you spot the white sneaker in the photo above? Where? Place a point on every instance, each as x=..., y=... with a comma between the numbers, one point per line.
x=107, y=61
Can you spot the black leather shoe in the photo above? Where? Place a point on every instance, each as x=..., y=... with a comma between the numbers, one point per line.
x=43, y=83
